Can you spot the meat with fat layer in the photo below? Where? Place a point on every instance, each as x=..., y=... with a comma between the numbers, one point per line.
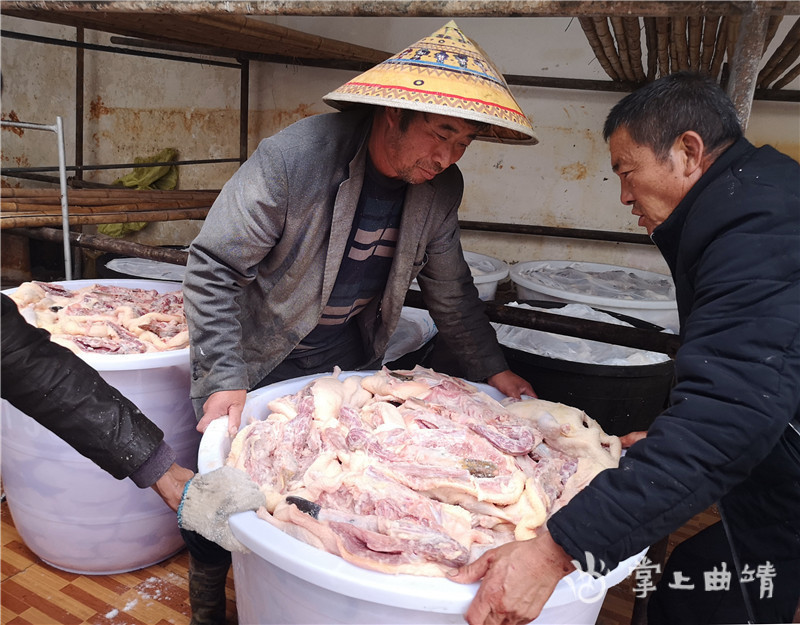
x=415, y=471
x=105, y=319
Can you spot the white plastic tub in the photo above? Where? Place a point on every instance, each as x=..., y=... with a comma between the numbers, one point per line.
x=286, y=581
x=487, y=272
x=645, y=295
x=71, y=513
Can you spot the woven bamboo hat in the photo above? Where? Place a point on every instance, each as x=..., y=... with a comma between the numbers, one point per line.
x=445, y=73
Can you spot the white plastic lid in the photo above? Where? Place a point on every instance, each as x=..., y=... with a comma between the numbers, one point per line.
x=596, y=284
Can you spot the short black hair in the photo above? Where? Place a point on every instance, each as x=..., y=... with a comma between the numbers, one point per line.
x=658, y=113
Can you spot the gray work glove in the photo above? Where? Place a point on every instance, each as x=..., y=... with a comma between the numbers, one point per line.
x=210, y=499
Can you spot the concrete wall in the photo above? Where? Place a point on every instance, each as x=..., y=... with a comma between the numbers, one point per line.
x=137, y=106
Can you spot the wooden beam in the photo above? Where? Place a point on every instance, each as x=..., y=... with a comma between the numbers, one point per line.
x=413, y=8
x=105, y=243
x=746, y=58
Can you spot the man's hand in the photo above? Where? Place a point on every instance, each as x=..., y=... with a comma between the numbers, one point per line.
x=511, y=385
x=518, y=579
x=170, y=485
x=632, y=437
x=223, y=403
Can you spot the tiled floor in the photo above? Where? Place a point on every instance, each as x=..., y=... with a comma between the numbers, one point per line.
x=34, y=593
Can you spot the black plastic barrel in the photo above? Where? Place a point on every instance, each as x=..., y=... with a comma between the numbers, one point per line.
x=621, y=399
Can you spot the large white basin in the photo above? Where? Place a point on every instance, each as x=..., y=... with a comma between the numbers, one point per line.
x=71, y=513
x=286, y=581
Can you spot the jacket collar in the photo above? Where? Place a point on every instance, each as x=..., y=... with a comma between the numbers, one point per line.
x=667, y=235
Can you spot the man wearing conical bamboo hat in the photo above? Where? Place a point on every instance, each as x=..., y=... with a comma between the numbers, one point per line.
x=446, y=74
x=305, y=259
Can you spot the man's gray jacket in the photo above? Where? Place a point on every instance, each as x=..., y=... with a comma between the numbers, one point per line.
x=263, y=266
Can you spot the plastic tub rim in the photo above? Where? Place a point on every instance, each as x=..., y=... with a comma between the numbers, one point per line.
x=612, y=371
x=501, y=268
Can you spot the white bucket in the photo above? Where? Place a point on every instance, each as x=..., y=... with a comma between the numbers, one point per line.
x=286, y=581
x=71, y=513
x=487, y=272
x=537, y=280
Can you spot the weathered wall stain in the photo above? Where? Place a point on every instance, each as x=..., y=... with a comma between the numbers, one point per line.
x=274, y=120
x=125, y=127
x=574, y=171
x=97, y=108
x=122, y=134
x=12, y=117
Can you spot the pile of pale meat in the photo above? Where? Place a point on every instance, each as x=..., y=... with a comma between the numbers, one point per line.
x=105, y=319
x=414, y=471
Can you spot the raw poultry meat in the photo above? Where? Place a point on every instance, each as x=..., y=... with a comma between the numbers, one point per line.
x=415, y=471
x=105, y=319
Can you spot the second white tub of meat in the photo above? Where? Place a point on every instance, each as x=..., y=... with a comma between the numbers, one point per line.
x=287, y=581
x=70, y=512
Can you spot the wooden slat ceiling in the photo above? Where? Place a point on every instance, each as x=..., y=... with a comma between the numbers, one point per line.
x=231, y=32
x=667, y=37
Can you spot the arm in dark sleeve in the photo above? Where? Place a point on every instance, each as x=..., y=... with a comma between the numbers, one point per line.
x=64, y=394
x=451, y=297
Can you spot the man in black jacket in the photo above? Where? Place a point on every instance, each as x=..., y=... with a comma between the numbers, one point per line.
x=726, y=217
x=67, y=396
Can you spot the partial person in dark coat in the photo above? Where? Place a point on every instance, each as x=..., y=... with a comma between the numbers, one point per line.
x=726, y=217
x=60, y=391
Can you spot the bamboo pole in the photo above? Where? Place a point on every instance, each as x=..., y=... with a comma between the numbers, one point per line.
x=12, y=206
x=695, y=36
x=622, y=48
x=587, y=24
x=679, y=42
x=783, y=49
x=8, y=221
x=673, y=48
x=633, y=35
x=607, y=41
x=105, y=193
x=734, y=22
x=709, y=37
x=651, y=42
x=789, y=77
x=772, y=29
x=719, y=48
x=789, y=58
x=662, y=33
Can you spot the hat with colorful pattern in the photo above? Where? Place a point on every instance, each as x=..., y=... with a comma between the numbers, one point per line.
x=445, y=73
